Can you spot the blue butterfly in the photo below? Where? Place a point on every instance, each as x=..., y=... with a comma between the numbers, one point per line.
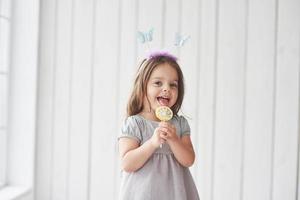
x=145, y=36
x=180, y=39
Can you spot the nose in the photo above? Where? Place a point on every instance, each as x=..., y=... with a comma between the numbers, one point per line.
x=166, y=88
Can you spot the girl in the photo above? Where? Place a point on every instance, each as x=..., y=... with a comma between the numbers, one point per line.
x=150, y=172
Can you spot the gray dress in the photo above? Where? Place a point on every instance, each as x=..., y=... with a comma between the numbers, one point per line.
x=161, y=177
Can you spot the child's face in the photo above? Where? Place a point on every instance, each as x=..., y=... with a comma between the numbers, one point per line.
x=162, y=87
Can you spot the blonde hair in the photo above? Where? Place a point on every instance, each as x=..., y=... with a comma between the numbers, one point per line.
x=135, y=103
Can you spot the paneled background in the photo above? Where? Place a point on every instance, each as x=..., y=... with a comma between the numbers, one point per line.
x=241, y=68
x=5, y=23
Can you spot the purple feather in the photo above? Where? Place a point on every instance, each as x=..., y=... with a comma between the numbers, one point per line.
x=156, y=54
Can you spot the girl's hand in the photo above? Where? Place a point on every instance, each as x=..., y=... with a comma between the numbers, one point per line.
x=168, y=131
x=157, y=138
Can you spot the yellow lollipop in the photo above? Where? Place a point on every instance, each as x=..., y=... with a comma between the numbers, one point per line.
x=163, y=113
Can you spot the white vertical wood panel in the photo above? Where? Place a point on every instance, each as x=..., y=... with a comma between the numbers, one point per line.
x=5, y=8
x=257, y=163
x=3, y=101
x=3, y=153
x=22, y=94
x=45, y=102
x=147, y=19
x=230, y=100
x=128, y=44
x=188, y=60
x=81, y=100
x=127, y=66
x=259, y=110
x=5, y=24
x=171, y=24
x=287, y=97
x=104, y=168
x=298, y=182
x=206, y=88
x=61, y=99
x=4, y=44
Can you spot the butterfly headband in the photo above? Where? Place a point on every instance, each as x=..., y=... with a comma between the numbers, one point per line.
x=147, y=37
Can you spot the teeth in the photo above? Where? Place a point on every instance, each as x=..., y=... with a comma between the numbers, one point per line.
x=163, y=101
x=164, y=97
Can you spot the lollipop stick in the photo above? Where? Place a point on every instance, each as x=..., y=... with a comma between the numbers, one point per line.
x=163, y=113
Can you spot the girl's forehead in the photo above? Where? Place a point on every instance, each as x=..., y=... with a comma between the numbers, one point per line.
x=164, y=70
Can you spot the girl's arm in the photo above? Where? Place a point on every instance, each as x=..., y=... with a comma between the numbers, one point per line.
x=183, y=150
x=181, y=147
x=134, y=156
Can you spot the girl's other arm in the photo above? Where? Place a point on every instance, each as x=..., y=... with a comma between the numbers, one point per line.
x=183, y=150
x=181, y=146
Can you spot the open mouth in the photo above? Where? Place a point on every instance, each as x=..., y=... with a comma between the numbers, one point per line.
x=163, y=101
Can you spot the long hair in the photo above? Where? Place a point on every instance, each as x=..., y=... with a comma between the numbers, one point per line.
x=139, y=91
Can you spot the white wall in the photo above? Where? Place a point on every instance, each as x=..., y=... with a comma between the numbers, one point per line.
x=19, y=54
x=241, y=67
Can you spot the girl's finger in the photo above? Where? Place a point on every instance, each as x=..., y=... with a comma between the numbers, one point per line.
x=164, y=136
x=162, y=141
x=165, y=130
x=164, y=124
x=168, y=126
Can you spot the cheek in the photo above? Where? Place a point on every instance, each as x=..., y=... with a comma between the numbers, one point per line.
x=175, y=95
x=176, y=92
x=151, y=92
x=176, y=99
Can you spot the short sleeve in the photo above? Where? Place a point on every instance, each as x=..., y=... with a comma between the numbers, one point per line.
x=131, y=129
x=184, y=126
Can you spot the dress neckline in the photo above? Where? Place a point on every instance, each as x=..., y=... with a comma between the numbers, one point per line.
x=149, y=120
x=152, y=121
